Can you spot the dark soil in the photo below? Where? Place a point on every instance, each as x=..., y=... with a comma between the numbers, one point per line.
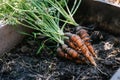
x=22, y=63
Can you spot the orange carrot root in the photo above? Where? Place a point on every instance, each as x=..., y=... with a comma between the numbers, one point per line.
x=82, y=42
x=85, y=36
x=62, y=54
x=71, y=44
x=70, y=51
x=78, y=41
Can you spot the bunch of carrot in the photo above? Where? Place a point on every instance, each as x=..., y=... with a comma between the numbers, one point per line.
x=44, y=17
x=77, y=46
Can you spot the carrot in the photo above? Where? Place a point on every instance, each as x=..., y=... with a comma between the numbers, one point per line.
x=78, y=41
x=85, y=36
x=70, y=51
x=62, y=54
x=71, y=44
x=80, y=61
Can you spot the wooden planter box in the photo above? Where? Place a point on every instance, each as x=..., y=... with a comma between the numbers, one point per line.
x=107, y=16
x=9, y=37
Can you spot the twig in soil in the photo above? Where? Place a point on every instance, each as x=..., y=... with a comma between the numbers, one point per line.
x=97, y=68
x=39, y=76
x=82, y=74
x=48, y=78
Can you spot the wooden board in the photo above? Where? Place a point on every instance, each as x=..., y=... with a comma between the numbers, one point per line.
x=9, y=37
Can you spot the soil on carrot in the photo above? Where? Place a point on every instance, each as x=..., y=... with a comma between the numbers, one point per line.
x=22, y=62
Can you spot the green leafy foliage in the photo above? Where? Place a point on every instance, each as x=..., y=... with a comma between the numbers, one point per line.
x=40, y=15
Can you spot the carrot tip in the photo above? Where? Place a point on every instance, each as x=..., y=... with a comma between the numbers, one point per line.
x=96, y=56
x=95, y=64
